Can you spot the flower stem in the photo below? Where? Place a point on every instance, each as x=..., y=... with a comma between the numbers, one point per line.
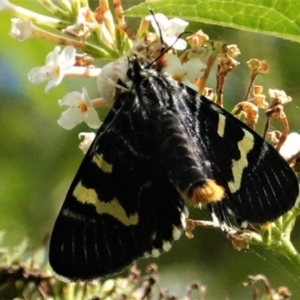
x=278, y=241
x=29, y=15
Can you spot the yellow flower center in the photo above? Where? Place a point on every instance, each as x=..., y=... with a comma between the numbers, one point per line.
x=82, y=107
x=57, y=71
x=177, y=77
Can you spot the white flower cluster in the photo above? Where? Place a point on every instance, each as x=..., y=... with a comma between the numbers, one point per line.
x=61, y=63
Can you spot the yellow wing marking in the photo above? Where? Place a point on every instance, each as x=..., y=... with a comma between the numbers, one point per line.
x=113, y=208
x=238, y=166
x=102, y=163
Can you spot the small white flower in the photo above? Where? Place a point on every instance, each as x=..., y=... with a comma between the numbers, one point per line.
x=291, y=146
x=280, y=96
x=20, y=29
x=170, y=29
x=185, y=73
x=88, y=138
x=56, y=67
x=109, y=76
x=80, y=110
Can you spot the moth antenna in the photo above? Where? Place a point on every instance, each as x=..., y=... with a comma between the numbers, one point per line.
x=159, y=29
x=164, y=49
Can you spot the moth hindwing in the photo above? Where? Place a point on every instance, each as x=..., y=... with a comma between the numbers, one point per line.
x=161, y=144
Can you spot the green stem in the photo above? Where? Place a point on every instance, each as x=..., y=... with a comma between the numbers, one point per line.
x=288, y=249
x=55, y=10
x=289, y=219
x=278, y=241
x=99, y=51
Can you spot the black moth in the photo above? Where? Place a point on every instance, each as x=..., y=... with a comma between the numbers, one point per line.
x=161, y=144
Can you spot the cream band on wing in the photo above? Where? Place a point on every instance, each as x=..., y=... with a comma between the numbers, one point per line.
x=112, y=208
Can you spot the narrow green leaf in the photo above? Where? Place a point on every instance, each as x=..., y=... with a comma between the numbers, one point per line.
x=272, y=17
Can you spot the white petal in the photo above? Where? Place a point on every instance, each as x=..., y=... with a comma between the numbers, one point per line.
x=194, y=68
x=52, y=57
x=178, y=44
x=291, y=146
x=38, y=75
x=20, y=29
x=67, y=57
x=86, y=98
x=174, y=66
x=177, y=26
x=92, y=118
x=88, y=138
x=70, y=118
x=172, y=60
x=110, y=73
x=159, y=19
x=71, y=99
x=52, y=83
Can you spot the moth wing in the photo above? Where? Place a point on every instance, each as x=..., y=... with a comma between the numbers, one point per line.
x=259, y=184
x=119, y=207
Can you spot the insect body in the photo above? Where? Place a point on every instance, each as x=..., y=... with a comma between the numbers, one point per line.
x=162, y=145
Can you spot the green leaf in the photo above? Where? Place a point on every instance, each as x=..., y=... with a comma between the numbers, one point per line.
x=272, y=17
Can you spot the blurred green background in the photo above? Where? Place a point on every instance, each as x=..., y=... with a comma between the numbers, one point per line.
x=38, y=160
